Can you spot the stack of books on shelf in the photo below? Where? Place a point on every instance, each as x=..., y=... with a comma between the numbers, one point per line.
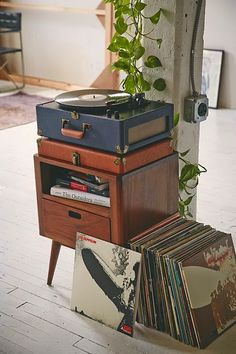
x=82, y=187
x=188, y=283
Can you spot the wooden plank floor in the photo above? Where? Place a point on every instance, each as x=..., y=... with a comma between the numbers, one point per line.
x=35, y=318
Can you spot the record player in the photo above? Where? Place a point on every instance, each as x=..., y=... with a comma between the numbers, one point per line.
x=108, y=120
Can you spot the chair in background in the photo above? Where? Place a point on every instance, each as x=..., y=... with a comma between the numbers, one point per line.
x=10, y=23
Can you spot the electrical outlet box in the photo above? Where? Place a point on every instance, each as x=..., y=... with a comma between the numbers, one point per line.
x=195, y=108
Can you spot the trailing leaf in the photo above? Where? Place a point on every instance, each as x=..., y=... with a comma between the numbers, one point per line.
x=144, y=84
x=159, y=41
x=123, y=54
x=126, y=10
x=156, y=17
x=120, y=25
x=152, y=62
x=182, y=154
x=121, y=64
x=118, y=13
x=159, y=84
x=188, y=172
x=181, y=209
x=138, y=52
x=129, y=84
x=188, y=200
x=139, y=6
x=122, y=42
x=176, y=119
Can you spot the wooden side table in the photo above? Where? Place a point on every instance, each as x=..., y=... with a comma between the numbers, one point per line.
x=139, y=199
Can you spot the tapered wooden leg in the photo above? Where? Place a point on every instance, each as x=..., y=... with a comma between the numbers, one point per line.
x=55, y=250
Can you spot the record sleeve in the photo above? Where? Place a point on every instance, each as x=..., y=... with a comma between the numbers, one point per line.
x=210, y=280
x=106, y=282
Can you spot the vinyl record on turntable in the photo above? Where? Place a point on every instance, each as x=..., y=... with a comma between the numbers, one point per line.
x=96, y=98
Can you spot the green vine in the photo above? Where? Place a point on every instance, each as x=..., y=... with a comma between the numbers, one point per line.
x=127, y=44
x=188, y=179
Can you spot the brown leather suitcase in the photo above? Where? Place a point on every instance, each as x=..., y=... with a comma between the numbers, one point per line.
x=86, y=157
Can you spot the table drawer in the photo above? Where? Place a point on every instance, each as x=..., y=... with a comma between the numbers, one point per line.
x=61, y=222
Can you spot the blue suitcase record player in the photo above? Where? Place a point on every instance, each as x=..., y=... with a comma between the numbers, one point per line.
x=108, y=120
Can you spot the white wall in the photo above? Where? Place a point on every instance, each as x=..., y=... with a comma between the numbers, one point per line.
x=63, y=46
x=220, y=31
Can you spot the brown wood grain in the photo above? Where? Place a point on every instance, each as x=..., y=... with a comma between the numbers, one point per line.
x=61, y=227
x=91, y=208
x=105, y=161
x=149, y=195
x=55, y=250
x=38, y=184
x=117, y=229
x=139, y=200
x=58, y=163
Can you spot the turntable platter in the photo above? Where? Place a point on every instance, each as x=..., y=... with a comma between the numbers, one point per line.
x=96, y=98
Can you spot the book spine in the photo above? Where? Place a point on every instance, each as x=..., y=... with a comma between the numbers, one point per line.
x=72, y=185
x=90, y=184
x=79, y=186
x=80, y=196
x=105, y=193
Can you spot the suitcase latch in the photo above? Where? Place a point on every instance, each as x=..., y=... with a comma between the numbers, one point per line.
x=75, y=115
x=76, y=158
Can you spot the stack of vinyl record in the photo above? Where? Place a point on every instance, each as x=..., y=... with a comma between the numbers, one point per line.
x=188, y=284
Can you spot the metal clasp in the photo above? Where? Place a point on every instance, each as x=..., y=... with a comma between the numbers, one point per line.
x=76, y=159
x=65, y=123
x=75, y=115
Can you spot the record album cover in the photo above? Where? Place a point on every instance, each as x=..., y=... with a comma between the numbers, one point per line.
x=106, y=282
x=210, y=279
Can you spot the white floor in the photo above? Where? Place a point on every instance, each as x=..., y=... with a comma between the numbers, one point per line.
x=35, y=318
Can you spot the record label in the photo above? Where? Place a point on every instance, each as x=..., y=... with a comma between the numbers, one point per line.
x=94, y=98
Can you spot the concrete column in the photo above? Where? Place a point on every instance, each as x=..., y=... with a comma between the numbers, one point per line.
x=175, y=28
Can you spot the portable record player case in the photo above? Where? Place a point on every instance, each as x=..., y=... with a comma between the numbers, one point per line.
x=116, y=129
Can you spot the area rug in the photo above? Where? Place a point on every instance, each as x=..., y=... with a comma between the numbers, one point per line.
x=18, y=109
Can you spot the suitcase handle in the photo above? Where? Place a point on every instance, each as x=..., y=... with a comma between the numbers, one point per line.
x=71, y=133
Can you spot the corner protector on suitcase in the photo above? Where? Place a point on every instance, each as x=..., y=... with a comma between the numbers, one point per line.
x=39, y=141
x=121, y=151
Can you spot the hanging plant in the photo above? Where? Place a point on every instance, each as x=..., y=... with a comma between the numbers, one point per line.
x=127, y=44
x=188, y=179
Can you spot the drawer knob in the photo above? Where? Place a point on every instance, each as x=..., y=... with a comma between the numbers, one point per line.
x=73, y=214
